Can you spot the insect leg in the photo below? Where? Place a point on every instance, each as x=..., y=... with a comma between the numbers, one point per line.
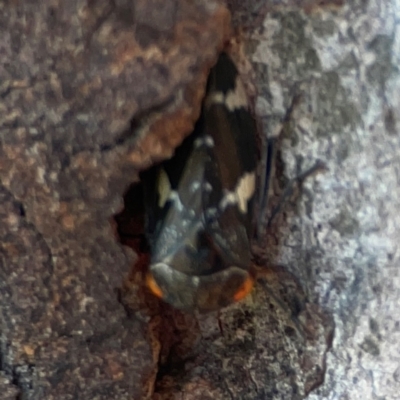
x=267, y=171
x=297, y=181
x=266, y=174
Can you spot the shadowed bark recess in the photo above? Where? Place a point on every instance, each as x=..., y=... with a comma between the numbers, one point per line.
x=91, y=92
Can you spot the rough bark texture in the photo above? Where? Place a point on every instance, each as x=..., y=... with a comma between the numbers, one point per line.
x=90, y=91
x=74, y=77
x=343, y=240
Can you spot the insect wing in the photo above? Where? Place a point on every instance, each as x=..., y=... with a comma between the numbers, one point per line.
x=200, y=203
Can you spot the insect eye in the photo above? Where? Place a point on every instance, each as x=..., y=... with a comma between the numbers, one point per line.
x=153, y=286
x=244, y=289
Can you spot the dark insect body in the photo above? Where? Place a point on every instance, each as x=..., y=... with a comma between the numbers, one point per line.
x=200, y=204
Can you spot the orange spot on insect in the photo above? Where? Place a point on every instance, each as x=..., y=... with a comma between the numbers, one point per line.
x=244, y=290
x=153, y=286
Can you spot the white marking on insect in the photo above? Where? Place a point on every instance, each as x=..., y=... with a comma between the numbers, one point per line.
x=232, y=100
x=209, y=141
x=195, y=281
x=236, y=98
x=229, y=198
x=215, y=98
x=174, y=196
x=243, y=192
x=195, y=186
x=211, y=212
x=207, y=187
x=206, y=140
x=164, y=187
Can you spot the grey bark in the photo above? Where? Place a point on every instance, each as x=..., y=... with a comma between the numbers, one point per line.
x=343, y=238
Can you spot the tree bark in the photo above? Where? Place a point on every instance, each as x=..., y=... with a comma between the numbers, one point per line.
x=93, y=91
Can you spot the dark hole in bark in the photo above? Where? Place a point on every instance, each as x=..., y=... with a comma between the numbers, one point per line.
x=130, y=221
